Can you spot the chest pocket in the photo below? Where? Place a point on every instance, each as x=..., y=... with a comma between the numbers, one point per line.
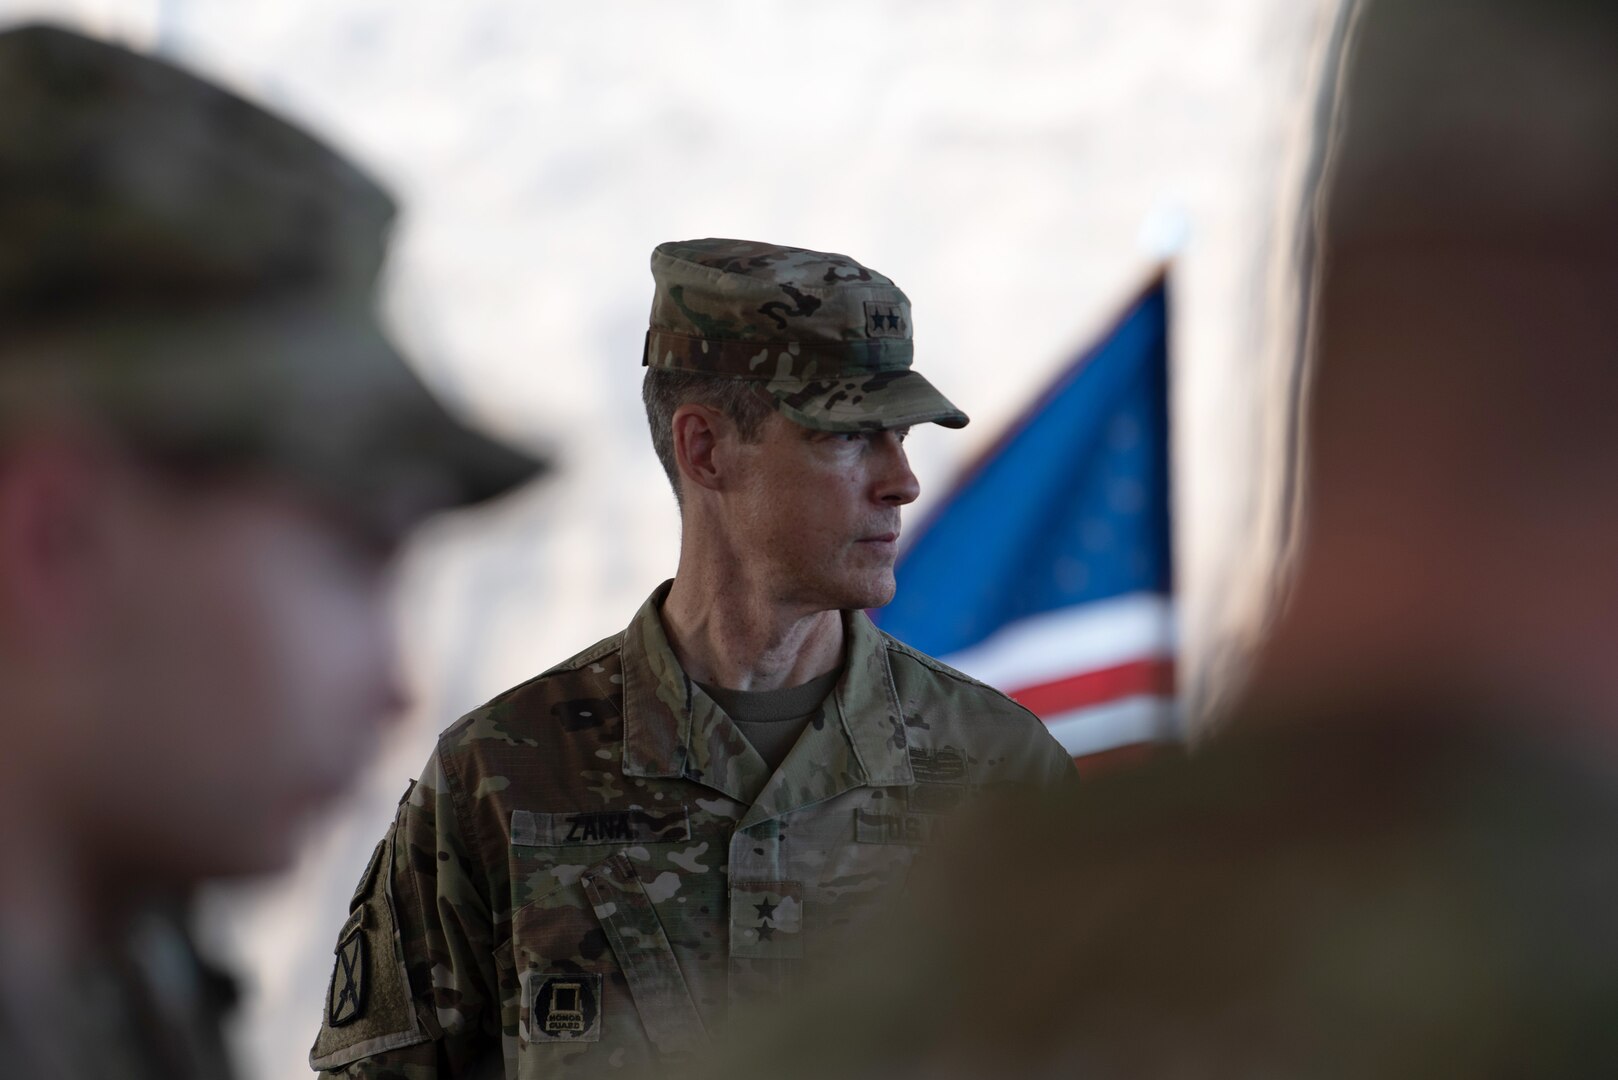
x=594, y=964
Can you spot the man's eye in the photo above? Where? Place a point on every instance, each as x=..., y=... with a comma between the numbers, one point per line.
x=853, y=436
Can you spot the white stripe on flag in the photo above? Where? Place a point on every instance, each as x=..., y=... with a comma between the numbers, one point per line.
x=1070, y=641
x=1117, y=723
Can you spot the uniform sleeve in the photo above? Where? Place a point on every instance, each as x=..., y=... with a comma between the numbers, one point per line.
x=427, y=1003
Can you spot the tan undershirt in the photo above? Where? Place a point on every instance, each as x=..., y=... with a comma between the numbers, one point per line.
x=772, y=720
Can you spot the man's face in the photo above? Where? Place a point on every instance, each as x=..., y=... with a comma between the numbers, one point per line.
x=817, y=513
x=240, y=666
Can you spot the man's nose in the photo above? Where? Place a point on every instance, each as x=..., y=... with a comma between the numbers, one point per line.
x=896, y=484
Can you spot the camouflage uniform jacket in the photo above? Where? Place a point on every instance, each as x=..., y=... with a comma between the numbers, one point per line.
x=596, y=865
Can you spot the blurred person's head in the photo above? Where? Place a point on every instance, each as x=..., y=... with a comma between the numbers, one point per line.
x=208, y=450
x=779, y=390
x=1459, y=515
x=195, y=661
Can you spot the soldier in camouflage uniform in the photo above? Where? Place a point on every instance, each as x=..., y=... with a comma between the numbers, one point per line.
x=599, y=865
x=207, y=449
x=1395, y=859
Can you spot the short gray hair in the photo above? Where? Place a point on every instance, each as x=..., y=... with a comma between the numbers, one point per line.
x=665, y=390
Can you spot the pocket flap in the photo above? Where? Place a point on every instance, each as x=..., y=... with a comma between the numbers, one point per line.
x=630, y=920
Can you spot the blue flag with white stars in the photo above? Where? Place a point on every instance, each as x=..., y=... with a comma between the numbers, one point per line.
x=1047, y=570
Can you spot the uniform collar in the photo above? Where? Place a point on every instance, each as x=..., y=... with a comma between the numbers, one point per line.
x=671, y=728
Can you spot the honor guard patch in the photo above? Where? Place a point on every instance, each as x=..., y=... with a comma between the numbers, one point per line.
x=561, y=1007
x=345, y=999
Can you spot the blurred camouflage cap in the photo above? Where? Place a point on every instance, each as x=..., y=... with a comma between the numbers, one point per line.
x=201, y=275
x=828, y=339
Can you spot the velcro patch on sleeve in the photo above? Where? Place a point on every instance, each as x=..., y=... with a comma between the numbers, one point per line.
x=345, y=994
x=368, y=1005
x=367, y=879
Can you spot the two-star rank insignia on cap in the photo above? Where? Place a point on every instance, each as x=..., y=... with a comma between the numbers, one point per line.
x=884, y=320
x=345, y=999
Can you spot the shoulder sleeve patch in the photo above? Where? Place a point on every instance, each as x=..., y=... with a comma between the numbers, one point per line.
x=368, y=879
x=368, y=1008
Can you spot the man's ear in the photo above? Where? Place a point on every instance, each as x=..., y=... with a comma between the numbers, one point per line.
x=48, y=491
x=698, y=433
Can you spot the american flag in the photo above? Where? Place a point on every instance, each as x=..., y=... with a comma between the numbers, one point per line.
x=1046, y=570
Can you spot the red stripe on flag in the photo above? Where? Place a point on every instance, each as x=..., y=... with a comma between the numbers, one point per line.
x=1140, y=678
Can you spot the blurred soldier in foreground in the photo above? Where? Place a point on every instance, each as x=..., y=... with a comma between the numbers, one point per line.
x=597, y=865
x=1398, y=861
x=207, y=450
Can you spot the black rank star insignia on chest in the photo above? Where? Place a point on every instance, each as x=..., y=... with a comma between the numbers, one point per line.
x=766, y=910
x=346, y=998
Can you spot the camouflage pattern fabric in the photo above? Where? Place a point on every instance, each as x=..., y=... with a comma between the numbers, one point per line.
x=183, y=272
x=827, y=339
x=595, y=867
x=201, y=275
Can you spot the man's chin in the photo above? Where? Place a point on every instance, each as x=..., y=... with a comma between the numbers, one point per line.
x=873, y=594
x=847, y=592
x=878, y=600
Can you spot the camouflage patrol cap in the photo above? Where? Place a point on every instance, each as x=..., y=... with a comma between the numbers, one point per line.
x=200, y=275
x=827, y=339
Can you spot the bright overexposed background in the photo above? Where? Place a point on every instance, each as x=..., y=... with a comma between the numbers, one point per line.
x=1020, y=167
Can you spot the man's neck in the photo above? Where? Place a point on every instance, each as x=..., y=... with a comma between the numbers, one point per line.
x=734, y=636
